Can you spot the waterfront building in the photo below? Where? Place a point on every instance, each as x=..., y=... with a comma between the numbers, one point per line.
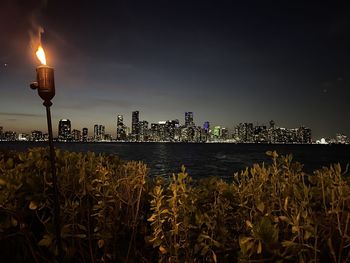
x=36, y=136
x=206, y=126
x=154, y=132
x=1, y=133
x=244, y=132
x=171, y=128
x=189, y=119
x=197, y=136
x=107, y=137
x=143, y=125
x=304, y=135
x=64, y=130
x=121, y=129
x=23, y=137
x=135, y=126
x=261, y=134
x=96, y=132
x=46, y=137
x=341, y=138
x=99, y=132
x=10, y=136
x=85, y=135
x=216, y=133
x=162, y=130
x=76, y=135
x=224, y=133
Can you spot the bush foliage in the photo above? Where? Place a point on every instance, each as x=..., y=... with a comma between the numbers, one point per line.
x=112, y=211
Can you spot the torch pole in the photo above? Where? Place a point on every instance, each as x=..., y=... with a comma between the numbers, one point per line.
x=56, y=215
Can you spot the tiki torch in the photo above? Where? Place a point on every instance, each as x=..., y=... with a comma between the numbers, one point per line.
x=45, y=85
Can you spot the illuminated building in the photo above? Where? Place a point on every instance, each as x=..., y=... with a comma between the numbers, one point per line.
x=23, y=137
x=135, y=128
x=189, y=119
x=10, y=136
x=224, y=133
x=99, y=133
x=260, y=134
x=217, y=132
x=154, y=133
x=107, y=137
x=143, y=128
x=304, y=135
x=121, y=129
x=244, y=132
x=85, y=135
x=96, y=132
x=76, y=135
x=206, y=126
x=64, y=130
x=36, y=136
x=341, y=138
x=171, y=128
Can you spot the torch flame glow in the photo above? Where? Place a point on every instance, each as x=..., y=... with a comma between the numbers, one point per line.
x=41, y=55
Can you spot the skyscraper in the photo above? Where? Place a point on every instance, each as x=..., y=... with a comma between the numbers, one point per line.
x=189, y=119
x=121, y=132
x=99, y=132
x=217, y=132
x=37, y=136
x=172, y=126
x=1, y=133
x=64, y=130
x=244, y=132
x=85, y=134
x=143, y=130
x=76, y=135
x=206, y=126
x=135, y=127
x=96, y=132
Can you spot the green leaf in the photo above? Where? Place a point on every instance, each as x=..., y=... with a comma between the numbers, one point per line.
x=46, y=241
x=261, y=207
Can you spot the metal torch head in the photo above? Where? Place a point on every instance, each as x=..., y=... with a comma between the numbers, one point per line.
x=45, y=82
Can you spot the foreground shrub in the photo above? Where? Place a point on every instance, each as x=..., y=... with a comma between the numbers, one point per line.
x=289, y=216
x=111, y=211
x=101, y=206
x=193, y=222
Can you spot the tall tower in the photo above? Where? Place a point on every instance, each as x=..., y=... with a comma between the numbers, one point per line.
x=135, y=127
x=96, y=137
x=85, y=134
x=143, y=130
x=64, y=130
x=121, y=134
x=206, y=126
x=189, y=119
x=101, y=132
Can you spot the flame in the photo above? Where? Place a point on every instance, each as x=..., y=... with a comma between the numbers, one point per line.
x=41, y=55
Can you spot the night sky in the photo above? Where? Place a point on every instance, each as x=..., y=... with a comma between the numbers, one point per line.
x=227, y=61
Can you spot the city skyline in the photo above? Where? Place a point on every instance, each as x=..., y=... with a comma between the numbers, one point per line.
x=230, y=62
x=177, y=131
x=135, y=130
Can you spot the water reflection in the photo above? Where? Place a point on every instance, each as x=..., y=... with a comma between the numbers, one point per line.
x=203, y=159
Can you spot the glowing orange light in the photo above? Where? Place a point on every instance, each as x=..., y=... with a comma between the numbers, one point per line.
x=41, y=55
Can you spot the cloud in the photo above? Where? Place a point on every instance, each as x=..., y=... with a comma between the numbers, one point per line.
x=13, y=114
